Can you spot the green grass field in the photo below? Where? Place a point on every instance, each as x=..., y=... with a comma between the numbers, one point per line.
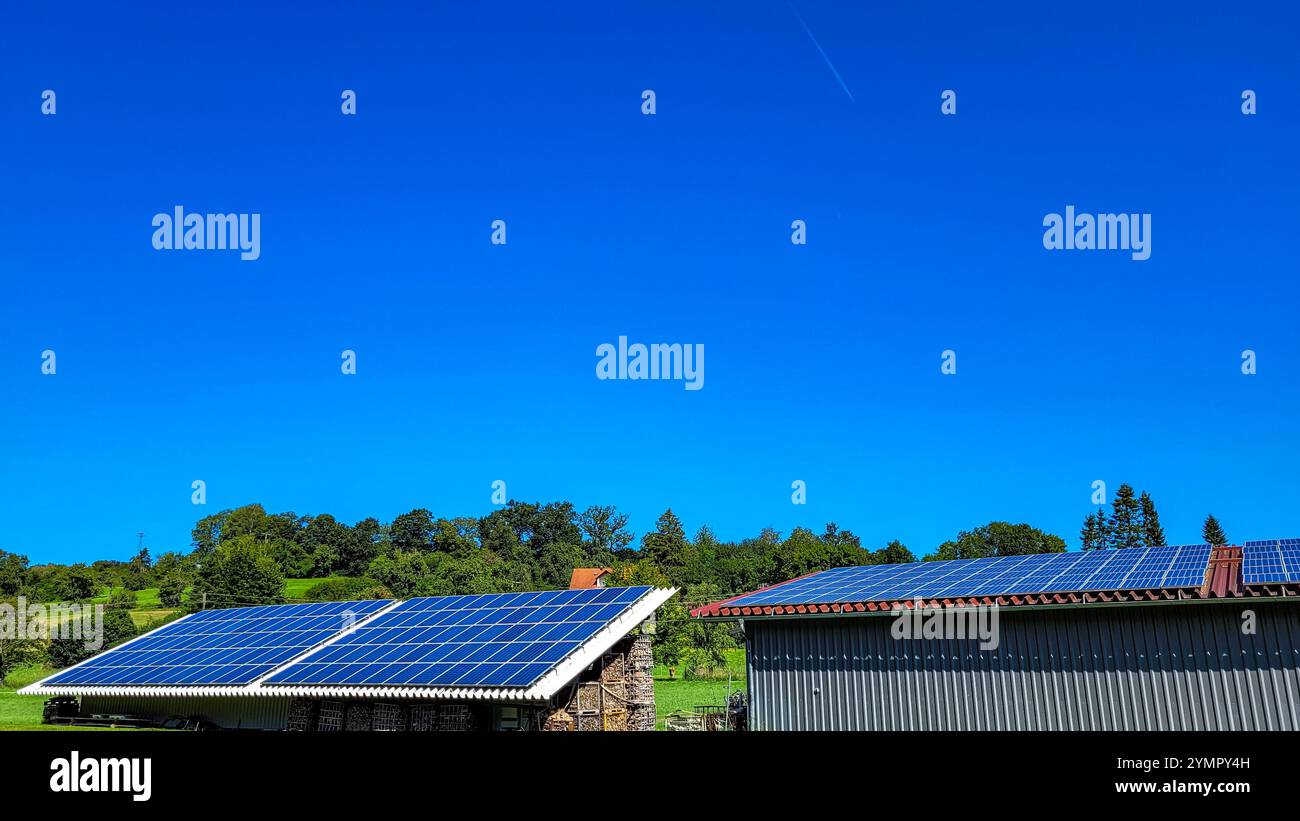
x=672, y=695
x=24, y=712
x=297, y=588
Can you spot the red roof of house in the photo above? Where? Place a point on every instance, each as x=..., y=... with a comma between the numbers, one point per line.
x=1222, y=580
x=586, y=577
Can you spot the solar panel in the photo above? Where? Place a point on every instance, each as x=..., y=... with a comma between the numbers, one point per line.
x=219, y=647
x=1271, y=561
x=1128, y=569
x=497, y=640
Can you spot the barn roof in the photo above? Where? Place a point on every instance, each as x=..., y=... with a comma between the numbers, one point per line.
x=507, y=646
x=1097, y=577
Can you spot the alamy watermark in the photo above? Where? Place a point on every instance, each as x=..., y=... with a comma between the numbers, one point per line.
x=59, y=620
x=965, y=623
x=1100, y=232
x=179, y=231
x=681, y=361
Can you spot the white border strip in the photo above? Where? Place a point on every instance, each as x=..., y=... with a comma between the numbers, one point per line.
x=548, y=685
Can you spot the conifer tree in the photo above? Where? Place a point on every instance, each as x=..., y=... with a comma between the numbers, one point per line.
x=1088, y=536
x=1105, y=530
x=1212, y=533
x=1126, y=527
x=1153, y=535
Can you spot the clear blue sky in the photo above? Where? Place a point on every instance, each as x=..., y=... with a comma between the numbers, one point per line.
x=477, y=362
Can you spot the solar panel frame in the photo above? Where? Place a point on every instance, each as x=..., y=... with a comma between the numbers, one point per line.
x=491, y=641
x=1270, y=561
x=227, y=647
x=1131, y=568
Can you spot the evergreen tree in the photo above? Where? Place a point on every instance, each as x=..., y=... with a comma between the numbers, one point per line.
x=1212, y=533
x=1088, y=533
x=1105, y=530
x=1153, y=535
x=1126, y=525
x=666, y=545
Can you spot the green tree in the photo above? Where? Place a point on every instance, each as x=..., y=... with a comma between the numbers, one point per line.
x=607, y=536
x=1089, y=536
x=1212, y=532
x=207, y=533
x=412, y=531
x=1153, y=535
x=241, y=571
x=999, y=539
x=666, y=545
x=249, y=520
x=140, y=570
x=171, y=590
x=1126, y=521
x=13, y=570
x=117, y=628
x=16, y=652
x=893, y=553
x=557, y=562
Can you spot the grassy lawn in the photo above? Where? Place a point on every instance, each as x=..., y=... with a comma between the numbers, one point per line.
x=24, y=712
x=147, y=599
x=679, y=694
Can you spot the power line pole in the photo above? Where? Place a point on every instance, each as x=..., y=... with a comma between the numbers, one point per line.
x=140, y=546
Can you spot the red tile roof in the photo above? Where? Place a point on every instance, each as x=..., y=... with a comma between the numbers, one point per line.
x=586, y=577
x=1222, y=580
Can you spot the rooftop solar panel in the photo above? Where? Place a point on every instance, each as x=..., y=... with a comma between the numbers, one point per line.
x=1129, y=569
x=219, y=647
x=1271, y=561
x=498, y=640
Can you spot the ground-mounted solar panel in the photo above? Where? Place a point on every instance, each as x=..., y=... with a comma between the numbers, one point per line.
x=497, y=640
x=1092, y=570
x=1273, y=561
x=218, y=647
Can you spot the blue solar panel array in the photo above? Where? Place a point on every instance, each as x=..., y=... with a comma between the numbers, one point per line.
x=1271, y=561
x=499, y=640
x=216, y=647
x=1129, y=569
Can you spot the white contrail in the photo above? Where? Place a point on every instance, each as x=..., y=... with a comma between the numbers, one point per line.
x=821, y=51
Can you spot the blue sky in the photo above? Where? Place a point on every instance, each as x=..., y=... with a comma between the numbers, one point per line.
x=477, y=362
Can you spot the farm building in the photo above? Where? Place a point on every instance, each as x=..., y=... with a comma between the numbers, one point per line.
x=555, y=660
x=1181, y=638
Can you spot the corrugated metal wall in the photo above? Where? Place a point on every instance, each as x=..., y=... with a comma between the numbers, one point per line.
x=260, y=713
x=1180, y=666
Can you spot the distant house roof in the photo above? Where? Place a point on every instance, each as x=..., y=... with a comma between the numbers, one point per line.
x=587, y=577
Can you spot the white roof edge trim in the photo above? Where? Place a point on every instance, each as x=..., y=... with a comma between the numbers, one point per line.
x=548, y=685
x=594, y=647
x=40, y=688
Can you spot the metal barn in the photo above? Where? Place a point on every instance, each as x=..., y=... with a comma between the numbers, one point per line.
x=1221, y=655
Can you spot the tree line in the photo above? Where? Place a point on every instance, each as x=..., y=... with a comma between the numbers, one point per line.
x=243, y=556
x=1134, y=522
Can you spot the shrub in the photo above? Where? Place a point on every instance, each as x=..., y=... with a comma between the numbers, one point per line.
x=347, y=590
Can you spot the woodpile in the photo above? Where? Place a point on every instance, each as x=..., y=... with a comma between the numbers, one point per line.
x=388, y=718
x=558, y=722
x=330, y=716
x=302, y=715
x=455, y=718
x=358, y=717
x=423, y=718
x=617, y=694
x=641, y=683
